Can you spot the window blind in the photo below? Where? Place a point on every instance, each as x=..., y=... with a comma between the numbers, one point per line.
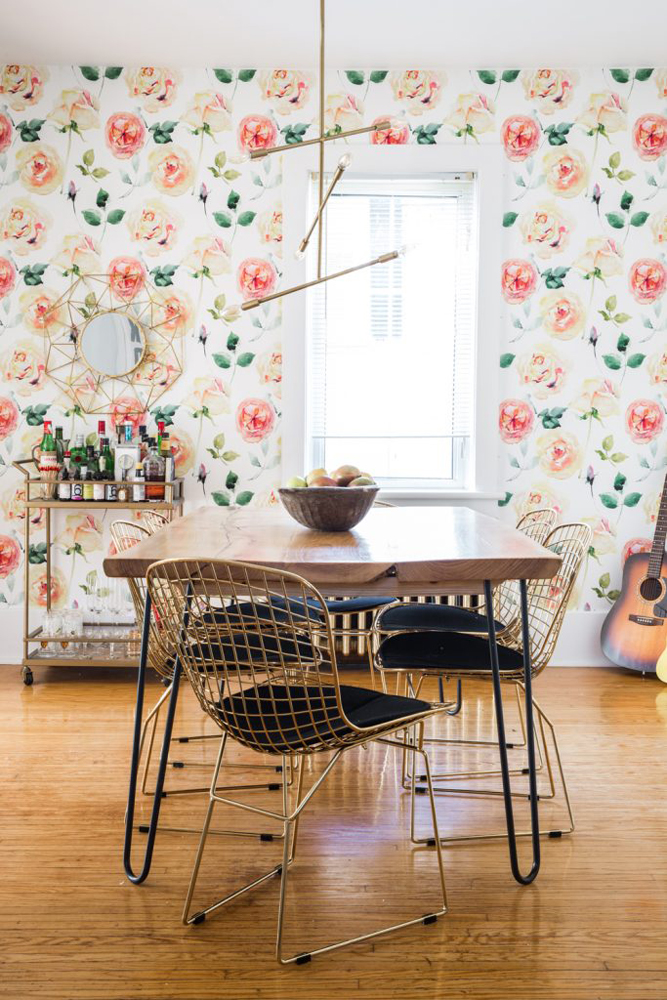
x=391, y=348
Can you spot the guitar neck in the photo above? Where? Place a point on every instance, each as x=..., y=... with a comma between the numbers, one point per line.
x=658, y=547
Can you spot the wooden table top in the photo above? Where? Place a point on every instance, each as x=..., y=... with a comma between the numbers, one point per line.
x=394, y=551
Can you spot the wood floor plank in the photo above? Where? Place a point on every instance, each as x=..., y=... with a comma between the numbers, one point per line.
x=72, y=927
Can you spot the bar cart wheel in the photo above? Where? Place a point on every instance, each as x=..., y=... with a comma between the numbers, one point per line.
x=27, y=676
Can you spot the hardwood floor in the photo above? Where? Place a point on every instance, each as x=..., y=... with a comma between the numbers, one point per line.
x=594, y=925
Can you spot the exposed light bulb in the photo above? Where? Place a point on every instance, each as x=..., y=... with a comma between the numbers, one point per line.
x=299, y=253
x=345, y=161
x=240, y=158
x=406, y=249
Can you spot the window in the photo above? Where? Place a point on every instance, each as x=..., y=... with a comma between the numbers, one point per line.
x=395, y=368
x=390, y=367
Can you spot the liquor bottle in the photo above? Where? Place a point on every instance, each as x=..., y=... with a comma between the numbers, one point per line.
x=77, y=456
x=87, y=481
x=48, y=455
x=101, y=429
x=77, y=484
x=110, y=489
x=98, y=484
x=139, y=486
x=107, y=470
x=143, y=443
x=60, y=445
x=106, y=457
x=166, y=454
x=154, y=473
x=160, y=435
x=123, y=492
x=64, y=483
x=128, y=433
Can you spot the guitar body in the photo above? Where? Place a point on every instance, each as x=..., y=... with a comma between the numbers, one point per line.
x=634, y=633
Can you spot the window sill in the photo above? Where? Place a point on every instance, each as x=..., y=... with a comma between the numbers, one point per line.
x=440, y=496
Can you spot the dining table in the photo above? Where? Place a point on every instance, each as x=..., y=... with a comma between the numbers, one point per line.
x=393, y=552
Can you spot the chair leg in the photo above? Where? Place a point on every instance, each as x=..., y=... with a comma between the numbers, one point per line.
x=545, y=719
x=302, y=957
x=152, y=716
x=285, y=819
x=290, y=828
x=541, y=738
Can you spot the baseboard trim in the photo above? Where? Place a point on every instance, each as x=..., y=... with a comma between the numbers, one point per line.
x=579, y=641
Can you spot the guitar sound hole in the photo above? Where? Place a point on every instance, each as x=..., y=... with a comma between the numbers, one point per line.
x=650, y=589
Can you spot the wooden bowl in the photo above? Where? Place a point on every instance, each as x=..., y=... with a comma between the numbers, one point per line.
x=329, y=508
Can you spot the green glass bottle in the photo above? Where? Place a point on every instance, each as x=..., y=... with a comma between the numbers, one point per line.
x=77, y=456
x=106, y=457
x=47, y=450
x=60, y=445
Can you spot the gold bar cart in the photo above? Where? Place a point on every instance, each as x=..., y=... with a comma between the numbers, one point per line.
x=36, y=644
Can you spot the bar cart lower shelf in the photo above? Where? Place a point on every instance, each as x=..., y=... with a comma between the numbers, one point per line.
x=93, y=647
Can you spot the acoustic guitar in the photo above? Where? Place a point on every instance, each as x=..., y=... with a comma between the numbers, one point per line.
x=634, y=633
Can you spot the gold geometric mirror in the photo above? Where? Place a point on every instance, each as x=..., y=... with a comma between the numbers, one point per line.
x=112, y=336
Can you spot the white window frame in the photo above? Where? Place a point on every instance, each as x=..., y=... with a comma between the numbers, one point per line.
x=488, y=164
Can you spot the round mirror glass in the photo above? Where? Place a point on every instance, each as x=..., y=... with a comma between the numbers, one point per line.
x=113, y=344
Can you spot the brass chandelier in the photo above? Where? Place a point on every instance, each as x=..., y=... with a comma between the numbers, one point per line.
x=323, y=196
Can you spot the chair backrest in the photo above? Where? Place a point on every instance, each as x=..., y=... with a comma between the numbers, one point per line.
x=125, y=535
x=257, y=646
x=153, y=520
x=538, y=523
x=548, y=599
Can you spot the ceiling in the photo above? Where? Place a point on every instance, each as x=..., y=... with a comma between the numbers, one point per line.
x=361, y=33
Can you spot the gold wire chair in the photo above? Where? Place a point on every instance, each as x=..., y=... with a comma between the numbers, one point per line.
x=404, y=615
x=258, y=649
x=153, y=520
x=162, y=657
x=454, y=655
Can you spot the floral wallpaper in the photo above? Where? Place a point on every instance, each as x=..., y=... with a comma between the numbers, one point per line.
x=143, y=173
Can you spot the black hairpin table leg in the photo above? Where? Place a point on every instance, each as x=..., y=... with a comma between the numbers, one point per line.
x=136, y=746
x=502, y=742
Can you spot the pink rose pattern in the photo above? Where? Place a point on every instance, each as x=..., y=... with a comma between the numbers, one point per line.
x=585, y=172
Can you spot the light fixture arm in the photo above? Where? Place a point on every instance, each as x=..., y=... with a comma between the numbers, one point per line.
x=259, y=154
x=343, y=163
x=382, y=259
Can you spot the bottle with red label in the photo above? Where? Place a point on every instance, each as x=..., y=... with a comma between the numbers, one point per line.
x=48, y=453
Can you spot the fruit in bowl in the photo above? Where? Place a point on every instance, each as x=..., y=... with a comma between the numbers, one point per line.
x=333, y=502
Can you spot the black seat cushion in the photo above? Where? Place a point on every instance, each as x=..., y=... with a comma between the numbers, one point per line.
x=248, y=647
x=346, y=606
x=355, y=605
x=443, y=651
x=445, y=617
x=280, y=609
x=283, y=719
